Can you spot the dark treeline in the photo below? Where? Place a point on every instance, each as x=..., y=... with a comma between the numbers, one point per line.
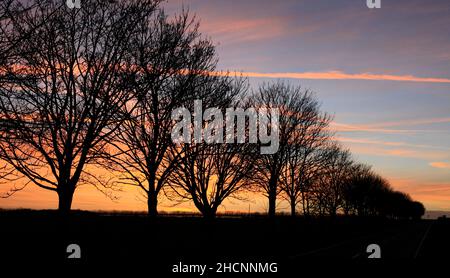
x=94, y=88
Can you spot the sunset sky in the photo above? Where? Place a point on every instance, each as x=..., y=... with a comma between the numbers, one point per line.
x=383, y=73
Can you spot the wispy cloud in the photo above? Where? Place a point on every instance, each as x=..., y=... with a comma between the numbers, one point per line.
x=229, y=31
x=339, y=75
x=387, y=127
x=389, y=143
x=413, y=122
x=400, y=152
x=342, y=127
x=440, y=165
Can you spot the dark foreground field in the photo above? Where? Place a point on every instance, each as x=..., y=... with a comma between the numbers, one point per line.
x=161, y=243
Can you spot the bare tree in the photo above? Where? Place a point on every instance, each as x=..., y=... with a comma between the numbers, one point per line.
x=304, y=152
x=62, y=98
x=208, y=172
x=296, y=108
x=174, y=67
x=334, y=176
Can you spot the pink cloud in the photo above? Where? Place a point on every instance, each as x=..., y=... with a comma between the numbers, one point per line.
x=413, y=122
x=388, y=143
x=342, y=127
x=440, y=165
x=398, y=152
x=229, y=31
x=386, y=127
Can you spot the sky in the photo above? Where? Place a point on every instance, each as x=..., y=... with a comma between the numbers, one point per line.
x=383, y=73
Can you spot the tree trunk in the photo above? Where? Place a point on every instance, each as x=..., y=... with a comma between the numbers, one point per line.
x=308, y=213
x=272, y=195
x=65, y=197
x=293, y=205
x=209, y=213
x=152, y=196
x=272, y=203
x=152, y=204
x=303, y=203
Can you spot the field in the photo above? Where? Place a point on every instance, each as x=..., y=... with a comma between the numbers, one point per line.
x=179, y=239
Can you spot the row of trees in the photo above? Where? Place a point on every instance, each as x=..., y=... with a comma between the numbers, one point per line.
x=94, y=88
x=313, y=172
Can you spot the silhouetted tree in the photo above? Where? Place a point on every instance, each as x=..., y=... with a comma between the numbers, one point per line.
x=210, y=172
x=173, y=67
x=369, y=194
x=416, y=210
x=293, y=104
x=61, y=99
x=334, y=176
x=360, y=174
x=304, y=154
